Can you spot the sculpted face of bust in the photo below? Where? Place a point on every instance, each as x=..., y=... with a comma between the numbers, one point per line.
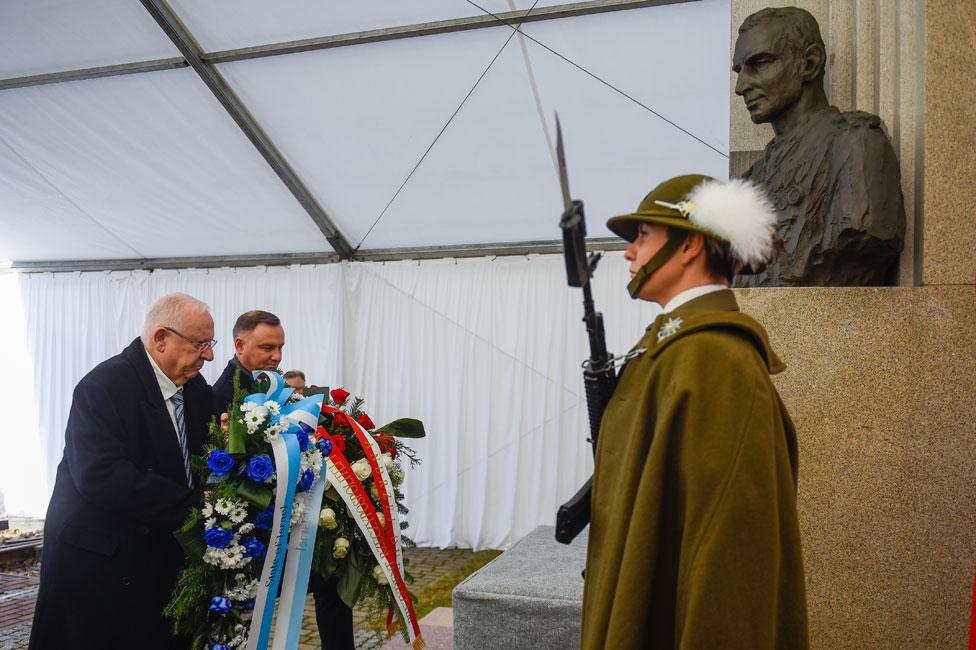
x=779, y=59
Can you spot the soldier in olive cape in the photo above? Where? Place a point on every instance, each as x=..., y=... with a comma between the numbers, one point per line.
x=694, y=540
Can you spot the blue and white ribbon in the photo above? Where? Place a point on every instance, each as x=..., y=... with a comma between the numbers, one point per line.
x=289, y=558
x=287, y=463
x=298, y=567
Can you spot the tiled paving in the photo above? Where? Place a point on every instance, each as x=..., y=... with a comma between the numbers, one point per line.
x=18, y=593
x=17, y=596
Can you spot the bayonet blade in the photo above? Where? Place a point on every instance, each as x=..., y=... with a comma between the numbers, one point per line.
x=561, y=157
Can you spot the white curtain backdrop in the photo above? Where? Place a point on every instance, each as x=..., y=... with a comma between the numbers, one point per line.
x=485, y=351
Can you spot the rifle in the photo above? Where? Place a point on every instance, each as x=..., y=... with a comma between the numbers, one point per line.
x=598, y=374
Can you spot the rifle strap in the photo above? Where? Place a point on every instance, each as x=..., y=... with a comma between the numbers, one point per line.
x=676, y=237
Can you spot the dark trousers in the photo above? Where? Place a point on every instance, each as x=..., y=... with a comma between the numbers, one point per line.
x=334, y=617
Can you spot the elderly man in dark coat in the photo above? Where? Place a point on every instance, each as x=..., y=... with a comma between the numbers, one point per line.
x=123, y=486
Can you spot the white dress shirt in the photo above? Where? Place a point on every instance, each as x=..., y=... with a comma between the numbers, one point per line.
x=168, y=389
x=691, y=294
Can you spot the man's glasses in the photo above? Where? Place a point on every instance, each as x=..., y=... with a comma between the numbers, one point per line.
x=201, y=346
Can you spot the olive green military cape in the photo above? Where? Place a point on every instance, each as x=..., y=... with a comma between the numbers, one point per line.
x=694, y=541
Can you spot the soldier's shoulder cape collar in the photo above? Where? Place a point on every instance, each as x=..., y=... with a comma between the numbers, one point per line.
x=717, y=310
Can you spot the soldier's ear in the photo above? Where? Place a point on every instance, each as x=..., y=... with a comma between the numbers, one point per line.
x=814, y=62
x=692, y=247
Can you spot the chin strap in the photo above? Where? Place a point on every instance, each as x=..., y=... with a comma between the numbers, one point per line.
x=675, y=238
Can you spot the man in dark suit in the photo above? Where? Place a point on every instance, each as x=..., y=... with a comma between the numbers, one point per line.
x=258, y=340
x=123, y=486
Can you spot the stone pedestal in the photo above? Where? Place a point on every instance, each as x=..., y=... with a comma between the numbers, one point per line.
x=529, y=597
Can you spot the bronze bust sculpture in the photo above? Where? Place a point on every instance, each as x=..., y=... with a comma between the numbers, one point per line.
x=833, y=177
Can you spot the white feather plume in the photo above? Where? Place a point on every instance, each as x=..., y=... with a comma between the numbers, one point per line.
x=739, y=212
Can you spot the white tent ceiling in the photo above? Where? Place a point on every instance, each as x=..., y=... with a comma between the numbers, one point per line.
x=150, y=165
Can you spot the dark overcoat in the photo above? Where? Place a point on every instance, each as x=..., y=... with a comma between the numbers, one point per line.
x=223, y=388
x=110, y=559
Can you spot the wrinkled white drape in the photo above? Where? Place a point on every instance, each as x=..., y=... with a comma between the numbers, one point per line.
x=485, y=351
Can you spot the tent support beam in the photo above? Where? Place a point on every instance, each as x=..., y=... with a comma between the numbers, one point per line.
x=285, y=259
x=341, y=40
x=481, y=21
x=93, y=73
x=187, y=45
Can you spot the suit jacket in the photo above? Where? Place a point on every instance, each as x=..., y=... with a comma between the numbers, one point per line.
x=110, y=559
x=223, y=388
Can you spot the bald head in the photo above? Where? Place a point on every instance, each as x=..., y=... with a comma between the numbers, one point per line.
x=177, y=334
x=170, y=311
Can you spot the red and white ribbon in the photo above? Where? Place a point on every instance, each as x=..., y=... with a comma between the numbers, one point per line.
x=384, y=540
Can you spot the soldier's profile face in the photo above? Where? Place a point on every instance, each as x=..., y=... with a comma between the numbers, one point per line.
x=768, y=71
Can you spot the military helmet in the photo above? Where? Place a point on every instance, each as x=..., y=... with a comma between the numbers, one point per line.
x=736, y=212
x=660, y=207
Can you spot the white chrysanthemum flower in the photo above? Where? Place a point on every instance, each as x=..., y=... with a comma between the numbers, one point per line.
x=222, y=507
x=273, y=407
x=253, y=421
x=316, y=460
x=207, y=510
x=362, y=469
x=297, y=512
x=245, y=529
x=242, y=590
x=247, y=406
x=210, y=522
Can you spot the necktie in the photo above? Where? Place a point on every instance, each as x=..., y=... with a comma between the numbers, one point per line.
x=181, y=432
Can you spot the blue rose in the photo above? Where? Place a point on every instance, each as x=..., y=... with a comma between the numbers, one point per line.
x=325, y=446
x=218, y=537
x=248, y=604
x=218, y=646
x=252, y=547
x=305, y=482
x=220, y=605
x=265, y=518
x=302, y=438
x=260, y=469
x=220, y=462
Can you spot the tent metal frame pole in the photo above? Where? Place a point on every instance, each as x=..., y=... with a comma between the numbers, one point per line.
x=428, y=29
x=188, y=47
x=93, y=73
x=341, y=40
x=286, y=259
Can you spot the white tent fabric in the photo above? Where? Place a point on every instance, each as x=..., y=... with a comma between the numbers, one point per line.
x=438, y=140
x=43, y=36
x=138, y=166
x=122, y=167
x=486, y=352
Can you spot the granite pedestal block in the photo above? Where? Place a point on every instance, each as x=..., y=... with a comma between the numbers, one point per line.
x=529, y=597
